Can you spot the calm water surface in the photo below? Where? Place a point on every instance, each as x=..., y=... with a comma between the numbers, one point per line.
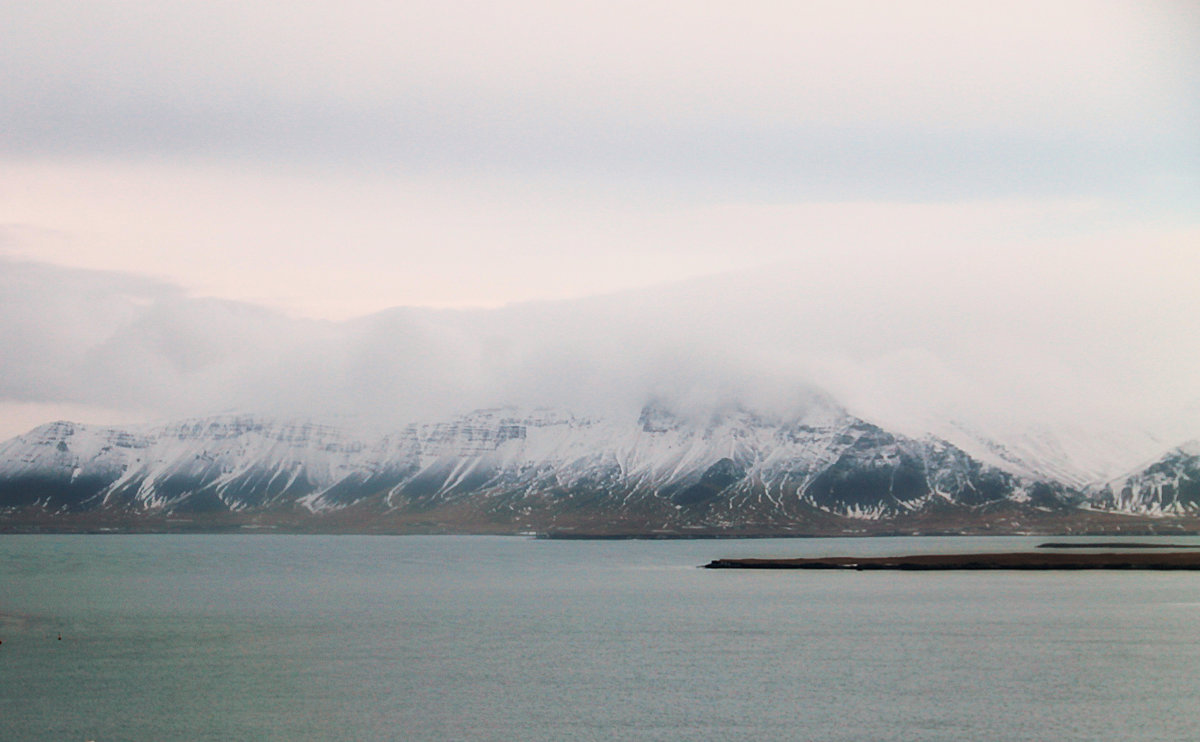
x=428, y=638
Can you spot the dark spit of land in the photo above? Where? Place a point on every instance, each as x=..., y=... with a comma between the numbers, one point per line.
x=1017, y=560
x=1114, y=545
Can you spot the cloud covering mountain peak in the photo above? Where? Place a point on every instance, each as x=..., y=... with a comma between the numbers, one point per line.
x=910, y=351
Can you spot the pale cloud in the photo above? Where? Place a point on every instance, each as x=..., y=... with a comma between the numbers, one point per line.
x=838, y=62
x=1063, y=335
x=341, y=246
x=839, y=100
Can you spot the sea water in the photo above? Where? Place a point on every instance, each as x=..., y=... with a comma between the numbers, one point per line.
x=265, y=637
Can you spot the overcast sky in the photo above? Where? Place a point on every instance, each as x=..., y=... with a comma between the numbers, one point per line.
x=1024, y=172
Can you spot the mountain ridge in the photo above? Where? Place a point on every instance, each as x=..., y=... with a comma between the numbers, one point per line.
x=540, y=469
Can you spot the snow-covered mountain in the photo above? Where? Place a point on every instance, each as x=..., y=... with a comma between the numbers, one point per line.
x=1077, y=458
x=659, y=469
x=1170, y=485
x=729, y=465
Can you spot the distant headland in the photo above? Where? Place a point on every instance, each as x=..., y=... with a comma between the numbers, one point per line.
x=1113, y=560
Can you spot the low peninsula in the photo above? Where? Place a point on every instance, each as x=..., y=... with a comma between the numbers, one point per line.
x=1015, y=560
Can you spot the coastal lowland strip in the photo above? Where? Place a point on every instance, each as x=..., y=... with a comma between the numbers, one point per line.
x=1015, y=560
x=593, y=521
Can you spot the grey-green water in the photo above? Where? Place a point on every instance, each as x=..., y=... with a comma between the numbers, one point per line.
x=421, y=638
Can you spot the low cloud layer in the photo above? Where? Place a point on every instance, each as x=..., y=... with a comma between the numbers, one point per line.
x=1099, y=341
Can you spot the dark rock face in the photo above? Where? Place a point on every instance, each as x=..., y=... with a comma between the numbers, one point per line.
x=874, y=473
x=1169, y=485
x=985, y=485
x=883, y=474
x=51, y=491
x=715, y=479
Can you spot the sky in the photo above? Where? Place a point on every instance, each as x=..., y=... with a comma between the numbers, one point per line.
x=978, y=209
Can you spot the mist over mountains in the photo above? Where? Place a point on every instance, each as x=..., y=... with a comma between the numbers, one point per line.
x=1008, y=360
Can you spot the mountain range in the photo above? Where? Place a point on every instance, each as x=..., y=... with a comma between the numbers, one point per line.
x=728, y=470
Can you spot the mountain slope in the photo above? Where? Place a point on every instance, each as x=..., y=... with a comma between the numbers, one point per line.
x=661, y=469
x=1170, y=485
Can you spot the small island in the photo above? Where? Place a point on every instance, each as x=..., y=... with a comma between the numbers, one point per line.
x=1015, y=560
